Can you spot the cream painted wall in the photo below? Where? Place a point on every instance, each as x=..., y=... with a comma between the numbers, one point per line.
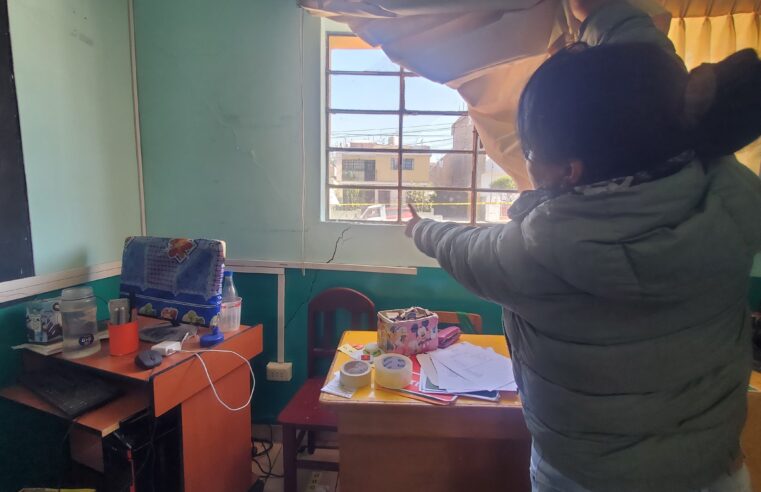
x=73, y=79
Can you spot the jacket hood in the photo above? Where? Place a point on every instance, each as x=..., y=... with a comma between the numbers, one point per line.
x=659, y=240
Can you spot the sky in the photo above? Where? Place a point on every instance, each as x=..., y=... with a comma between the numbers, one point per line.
x=382, y=92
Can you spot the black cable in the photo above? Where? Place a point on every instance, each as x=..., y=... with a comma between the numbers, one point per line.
x=62, y=448
x=267, y=445
x=150, y=456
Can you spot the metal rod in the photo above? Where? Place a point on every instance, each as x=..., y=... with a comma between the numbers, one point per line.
x=406, y=112
x=474, y=177
x=400, y=162
x=394, y=150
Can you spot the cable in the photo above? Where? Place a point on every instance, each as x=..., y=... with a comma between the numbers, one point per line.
x=198, y=353
x=303, y=146
x=62, y=448
x=266, y=448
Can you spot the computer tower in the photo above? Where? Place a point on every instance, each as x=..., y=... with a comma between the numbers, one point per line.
x=145, y=454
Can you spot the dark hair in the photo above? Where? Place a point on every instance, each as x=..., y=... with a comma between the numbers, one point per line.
x=625, y=108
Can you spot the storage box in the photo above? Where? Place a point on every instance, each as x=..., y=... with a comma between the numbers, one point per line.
x=408, y=331
x=176, y=279
x=43, y=321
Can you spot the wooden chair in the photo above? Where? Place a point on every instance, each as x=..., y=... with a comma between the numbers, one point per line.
x=303, y=416
x=450, y=318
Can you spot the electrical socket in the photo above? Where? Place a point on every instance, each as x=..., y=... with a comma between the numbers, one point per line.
x=279, y=371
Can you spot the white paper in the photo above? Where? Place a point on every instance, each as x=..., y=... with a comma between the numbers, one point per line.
x=334, y=387
x=427, y=367
x=464, y=367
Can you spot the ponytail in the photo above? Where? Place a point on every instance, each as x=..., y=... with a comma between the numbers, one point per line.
x=624, y=108
x=722, y=105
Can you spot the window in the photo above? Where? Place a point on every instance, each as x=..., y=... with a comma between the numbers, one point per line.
x=358, y=169
x=378, y=115
x=409, y=164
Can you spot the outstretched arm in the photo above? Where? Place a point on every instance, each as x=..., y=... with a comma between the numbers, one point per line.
x=477, y=257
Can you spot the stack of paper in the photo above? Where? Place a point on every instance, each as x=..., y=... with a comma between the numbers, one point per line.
x=466, y=368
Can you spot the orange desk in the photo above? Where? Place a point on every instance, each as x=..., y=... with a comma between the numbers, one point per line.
x=751, y=436
x=216, y=443
x=389, y=442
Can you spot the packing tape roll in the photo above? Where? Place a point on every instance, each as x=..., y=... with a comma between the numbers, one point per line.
x=393, y=371
x=355, y=374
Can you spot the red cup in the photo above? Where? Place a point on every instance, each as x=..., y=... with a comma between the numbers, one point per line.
x=123, y=339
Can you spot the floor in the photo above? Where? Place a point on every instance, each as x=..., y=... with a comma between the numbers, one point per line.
x=309, y=480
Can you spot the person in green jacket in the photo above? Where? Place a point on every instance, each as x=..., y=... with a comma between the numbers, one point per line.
x=624, y=275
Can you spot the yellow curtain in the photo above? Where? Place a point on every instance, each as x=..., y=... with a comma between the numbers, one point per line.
x=708, y=32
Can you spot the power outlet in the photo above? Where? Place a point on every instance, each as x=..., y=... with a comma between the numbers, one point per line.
x=279, y=371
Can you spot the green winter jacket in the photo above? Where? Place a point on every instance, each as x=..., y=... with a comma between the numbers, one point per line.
x=626, y=312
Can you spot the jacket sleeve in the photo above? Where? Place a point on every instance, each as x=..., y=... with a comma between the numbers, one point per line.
x=740, y=191
x=620, y=22
x=477, y=257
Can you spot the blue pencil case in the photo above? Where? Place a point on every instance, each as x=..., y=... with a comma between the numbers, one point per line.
x=175, y=279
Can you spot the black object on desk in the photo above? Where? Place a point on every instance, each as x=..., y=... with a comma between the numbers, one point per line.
x=168, y=332
x=148, y=359
x=71, y=391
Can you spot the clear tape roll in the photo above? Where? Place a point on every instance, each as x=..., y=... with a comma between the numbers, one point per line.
x=355, y=374
x=393, y=371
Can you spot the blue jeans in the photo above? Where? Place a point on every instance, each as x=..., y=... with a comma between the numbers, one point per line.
x=545, y=478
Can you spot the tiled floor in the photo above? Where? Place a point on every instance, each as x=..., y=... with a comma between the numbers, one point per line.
x=309, y=480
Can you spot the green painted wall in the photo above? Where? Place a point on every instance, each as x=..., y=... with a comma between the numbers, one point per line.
x=32, y=447
x=72, y=66
x=219, y=87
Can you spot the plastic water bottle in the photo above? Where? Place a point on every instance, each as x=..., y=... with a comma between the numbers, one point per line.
x=229, y=292
x=229, y=313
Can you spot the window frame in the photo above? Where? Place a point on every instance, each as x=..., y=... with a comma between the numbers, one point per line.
x=399, y=151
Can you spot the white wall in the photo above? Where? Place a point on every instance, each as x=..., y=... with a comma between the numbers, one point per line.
x=73, y=79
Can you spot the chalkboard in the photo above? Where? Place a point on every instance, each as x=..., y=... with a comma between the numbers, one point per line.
x=16, y=259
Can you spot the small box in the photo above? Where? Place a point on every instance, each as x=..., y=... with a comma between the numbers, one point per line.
x=43, y=321
x=408, y=331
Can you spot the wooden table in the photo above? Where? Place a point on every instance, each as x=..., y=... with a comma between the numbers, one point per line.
x=216, y=443
x=751, y=436
x=389, y=442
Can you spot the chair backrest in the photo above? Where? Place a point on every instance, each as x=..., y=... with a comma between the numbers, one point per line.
x=449, y=318
x=321, y=324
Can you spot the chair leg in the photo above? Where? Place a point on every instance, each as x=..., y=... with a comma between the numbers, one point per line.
x=289, y=459
x=311, y=442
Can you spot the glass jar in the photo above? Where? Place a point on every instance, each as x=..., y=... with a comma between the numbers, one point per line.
x=79, y=319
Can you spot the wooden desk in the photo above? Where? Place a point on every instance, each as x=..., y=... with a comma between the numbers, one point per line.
x=216, y=443
x=389, y=442
x=751, y=436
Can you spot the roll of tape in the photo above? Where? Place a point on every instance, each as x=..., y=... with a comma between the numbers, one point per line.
x=355, y=374
x=393, y=371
